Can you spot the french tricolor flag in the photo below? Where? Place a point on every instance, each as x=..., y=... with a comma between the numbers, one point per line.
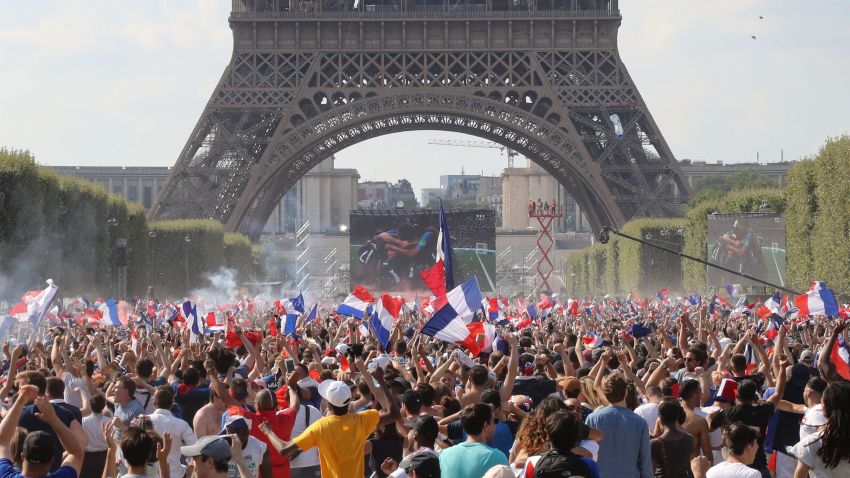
x=190, y=311
x=109, y=314
x=819, y=300
x=592, y=340
x=545, y=305
x=449, y=322
x=463, y=300
x=772, y=305
x=841, y=358
x=356, y=303
x=386, y=313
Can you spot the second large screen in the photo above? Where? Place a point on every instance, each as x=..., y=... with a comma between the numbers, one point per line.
x=748, y=244
x=390, y=247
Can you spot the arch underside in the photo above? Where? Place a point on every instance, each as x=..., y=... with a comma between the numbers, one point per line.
x=274, y=116
x=290, y=171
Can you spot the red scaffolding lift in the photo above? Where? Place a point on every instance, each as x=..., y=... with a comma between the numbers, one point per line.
x=545, y=215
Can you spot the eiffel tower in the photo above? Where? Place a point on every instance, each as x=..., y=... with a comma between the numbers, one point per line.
x=309, y=78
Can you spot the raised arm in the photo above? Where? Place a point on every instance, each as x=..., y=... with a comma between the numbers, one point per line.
x=13, y=416
x=825, y=360
x=74, y=445
x=513, y=368
x=389, y=408
x=780, y=383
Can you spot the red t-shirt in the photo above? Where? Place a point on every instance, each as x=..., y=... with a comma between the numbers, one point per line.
x=281, y=423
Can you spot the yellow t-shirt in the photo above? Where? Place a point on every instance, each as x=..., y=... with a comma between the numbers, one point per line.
x=340, y=441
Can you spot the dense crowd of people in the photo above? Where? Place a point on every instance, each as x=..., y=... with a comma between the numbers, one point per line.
x=669, y=390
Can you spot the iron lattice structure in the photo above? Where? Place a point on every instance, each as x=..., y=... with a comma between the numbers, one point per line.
x=309, y=79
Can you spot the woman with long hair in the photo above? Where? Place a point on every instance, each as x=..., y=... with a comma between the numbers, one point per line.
x=532, y=439
x=826, y=454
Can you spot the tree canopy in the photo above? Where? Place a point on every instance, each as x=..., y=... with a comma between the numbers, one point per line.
x=717, y=186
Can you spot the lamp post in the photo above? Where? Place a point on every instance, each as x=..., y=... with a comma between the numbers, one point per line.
x=151, y=264
x=112, y=222
x=188, y=242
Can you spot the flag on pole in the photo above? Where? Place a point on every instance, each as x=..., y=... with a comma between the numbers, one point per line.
x=190, y=312
x=733, y=289
x=313, y=313
x=463, y=300
x=289, y=325
x=446, y=325
x=356, y=303
x=444, y=249
x=819, y=300
x=298, y=302
x=434, y=278
x=109, y=313
x=38, y=305
x=386, y=313
x=840, y=358
x=770, y=306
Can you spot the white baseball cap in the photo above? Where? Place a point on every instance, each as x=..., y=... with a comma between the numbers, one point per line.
x=335, y=392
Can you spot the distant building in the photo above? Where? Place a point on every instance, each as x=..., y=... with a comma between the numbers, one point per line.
x=448, y=181
x=324, y=196
x=521, y=184
x=431, y=193
x=385, y=195
x=139, y=184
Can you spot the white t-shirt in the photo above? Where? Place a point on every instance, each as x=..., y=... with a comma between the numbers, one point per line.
x=253, y=454
x=649, y=413
x=311, y=456
x=93, y=426
x=72, y=396
x=812, y=419
x=732, y=470
x=806, y=452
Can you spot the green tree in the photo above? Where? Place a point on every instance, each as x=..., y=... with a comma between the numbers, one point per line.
x=716, y=187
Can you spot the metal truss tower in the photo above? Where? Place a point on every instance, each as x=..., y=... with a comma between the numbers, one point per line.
x=310, y=77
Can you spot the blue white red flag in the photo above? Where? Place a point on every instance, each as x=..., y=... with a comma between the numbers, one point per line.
x=444, y=249
x=592, y=340
x=109, y=314
x=386, y=313
x=298, y=303
x=356, y=304
x=819, y=300
x=446, y=325
x=733, y=289
x=290, y=320
x=190, y=312
x=771, y=306
x=841, y=358
x=464, y=300
x=313, y=313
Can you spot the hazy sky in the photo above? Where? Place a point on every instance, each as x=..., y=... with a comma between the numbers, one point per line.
x=120, y=82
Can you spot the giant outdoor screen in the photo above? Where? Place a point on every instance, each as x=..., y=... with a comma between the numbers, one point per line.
x=752, y=244
x=390, y=247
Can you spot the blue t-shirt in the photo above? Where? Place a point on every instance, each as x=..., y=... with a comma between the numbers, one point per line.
x=7, y=470
x=469, y=460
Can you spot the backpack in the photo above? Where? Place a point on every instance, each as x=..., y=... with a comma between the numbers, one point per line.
x=554, y=464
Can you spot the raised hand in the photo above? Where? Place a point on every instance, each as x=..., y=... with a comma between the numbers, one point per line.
x=108, y=431
x=163, y=448
x=46, y=412
x=28, y=393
